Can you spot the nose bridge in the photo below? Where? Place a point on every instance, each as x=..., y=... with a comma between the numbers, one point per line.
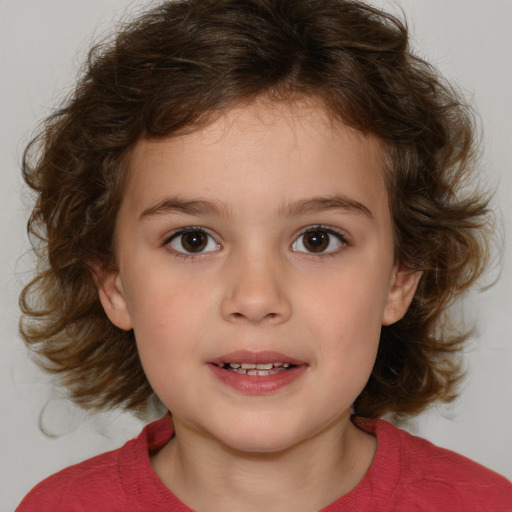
x=255, y=288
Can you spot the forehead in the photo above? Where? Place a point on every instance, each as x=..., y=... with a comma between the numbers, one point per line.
x=270, y=149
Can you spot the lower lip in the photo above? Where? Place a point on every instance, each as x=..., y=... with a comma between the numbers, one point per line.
x=257, y=384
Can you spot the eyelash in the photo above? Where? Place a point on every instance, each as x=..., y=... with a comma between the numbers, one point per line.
x=180, y=233
x=329, y=231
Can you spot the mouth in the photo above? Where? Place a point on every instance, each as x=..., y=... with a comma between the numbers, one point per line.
x=257, y=372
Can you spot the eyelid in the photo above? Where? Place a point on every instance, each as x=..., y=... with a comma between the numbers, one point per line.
x=330, y=229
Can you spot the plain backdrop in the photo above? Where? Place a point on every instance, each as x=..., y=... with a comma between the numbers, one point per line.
x=42, y=43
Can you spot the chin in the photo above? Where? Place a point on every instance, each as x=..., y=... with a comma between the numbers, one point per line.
x=260, y=446
x=262, y=437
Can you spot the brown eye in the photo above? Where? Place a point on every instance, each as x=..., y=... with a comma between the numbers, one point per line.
x=318, y=240
x=193, y=241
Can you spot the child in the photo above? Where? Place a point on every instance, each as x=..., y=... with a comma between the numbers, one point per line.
x=258, y=211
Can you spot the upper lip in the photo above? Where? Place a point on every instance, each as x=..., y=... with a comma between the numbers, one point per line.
x=247, y=356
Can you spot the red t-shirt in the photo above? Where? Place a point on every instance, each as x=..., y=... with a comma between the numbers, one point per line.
x=408, y=474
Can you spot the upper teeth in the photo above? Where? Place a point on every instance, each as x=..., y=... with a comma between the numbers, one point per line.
x=258, y=366
x=261, y=369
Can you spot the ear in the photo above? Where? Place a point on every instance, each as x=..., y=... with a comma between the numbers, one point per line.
x=112, y=297
x=402, y=288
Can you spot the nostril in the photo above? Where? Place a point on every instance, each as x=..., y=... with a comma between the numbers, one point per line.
x=250, y=301
x=241, y=316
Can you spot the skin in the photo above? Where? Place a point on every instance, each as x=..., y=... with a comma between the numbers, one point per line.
x=265, y=171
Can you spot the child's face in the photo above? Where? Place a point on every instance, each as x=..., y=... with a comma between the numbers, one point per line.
x=264, y=238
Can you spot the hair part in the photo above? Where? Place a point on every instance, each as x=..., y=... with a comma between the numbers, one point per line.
x=186, y=62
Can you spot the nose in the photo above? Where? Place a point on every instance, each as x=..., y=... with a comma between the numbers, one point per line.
x=256, y=291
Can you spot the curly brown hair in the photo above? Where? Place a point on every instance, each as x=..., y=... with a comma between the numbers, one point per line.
x=179, y=66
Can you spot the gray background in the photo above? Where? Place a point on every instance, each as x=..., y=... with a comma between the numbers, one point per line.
x=42, y=43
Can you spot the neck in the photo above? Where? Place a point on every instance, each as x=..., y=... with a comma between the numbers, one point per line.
x=209, y=476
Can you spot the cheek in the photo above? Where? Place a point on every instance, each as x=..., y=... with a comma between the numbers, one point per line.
x=165, y=338
x=345, y=318
x=164, y=301
x=164, y=319
x=351, y=300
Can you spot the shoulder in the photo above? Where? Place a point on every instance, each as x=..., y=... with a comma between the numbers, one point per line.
x=77, y=487
x=440, y=477
x=106, y=482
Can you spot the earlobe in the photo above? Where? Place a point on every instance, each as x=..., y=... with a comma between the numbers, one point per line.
x=112, y=297
x=403, y=285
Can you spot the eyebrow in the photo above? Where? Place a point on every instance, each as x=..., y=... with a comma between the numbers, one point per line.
x=325, y=203
x=294, y=208
x=184, y=206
